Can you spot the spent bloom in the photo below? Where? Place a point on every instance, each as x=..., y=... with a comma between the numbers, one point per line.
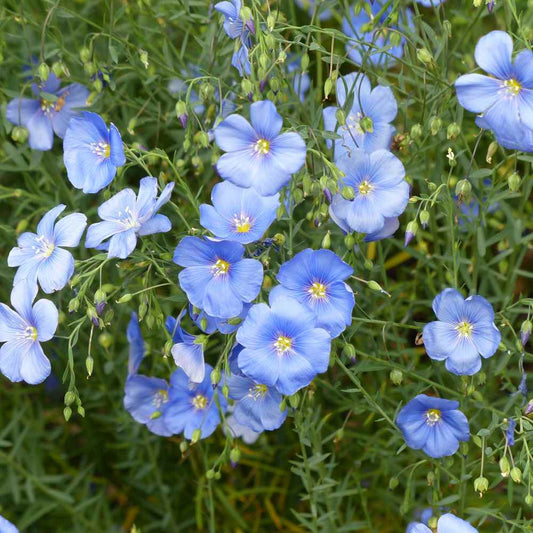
x=92, y=152
x=316, y=279
x=464, y=332
x=237, y=214
x=188, y=350
x=257, y=155
x=368, y=115
x=193, y=406
x=22, y=330
x=380, y=192
x=125, y=216
x=216, y=277
x=371, y=41
x=504, y=98
x=50, y=111
x=282, y=346
x=40, y=256
x=433, y=425
x=448, y=523
x=257, y=406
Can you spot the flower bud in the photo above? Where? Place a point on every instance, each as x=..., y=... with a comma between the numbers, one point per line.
x=328, y=85
x=105, y=340
x=505, y=467
x=124, y=299
x=81, y=411
x=481, y=485
x=19, y=134
x=525, y=331
x=435, y=124
x=294, y=400
x=516, y=474
x=326, y=241
x=70, y=397
x=367, y=125
x=67, y=413
x=85, y=54
x=416, y=131
x=393, y=483
x=184, y=445
x=234, y=455
x=196, y=434
x=396, y=376
x=210, y=474
x=425, y=56
x=181, y=112
x=348, y=193
x=514, y=182
x=43, y=71
x=492, y=149
x=453, y=131
x=215, y=377
x=463, y=189
x=410, y=232
x=143, y=56
x=340, y=116
x=89, y=365
x=271, y=22
x=529, y=499
x=424, y=218
x=348, y=352
x=304, y=63
x=349, y=241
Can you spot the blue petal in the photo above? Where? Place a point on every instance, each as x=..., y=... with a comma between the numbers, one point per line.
x=68, y=230
x=253, y=332
x=146, y=197
x=356, y=85
x=235, y=133
x=221, y=299
x=140, y=392
x=295, y=372
x=11, y=355
x=35, y=366
x=449, y=523
x=246, y=278
x=262, y=365
x=476, y=92
x=486, y=338
x=237, y=430
x=464, y=359
x=122, y=244
x=11, y=324
x=157, y=224
x=391, y=226
x=164, y=197
x=194, y=281
x=315, y=346
x=21, y=110
x=523, y=68
x=265, y=119
x=289, y=151
x=449, y=305
x=493, y=54
x=45, y=319
x=45, y=228
x=96, y=233
x=439, y=339
x=6, y=526
x=55, y=271
x=458, y=424
x=190, y=357
x=136, y=345
x=114, y=208
x=381, y=105
x=41, y=135
x=441, y=441
x=22, y=297
x=192, y=251
x=116, y=149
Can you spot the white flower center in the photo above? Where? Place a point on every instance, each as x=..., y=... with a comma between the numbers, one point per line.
x=262, y=146
x=129, y=219
x=283, y=344
x=220, y=268
x=242, y=223
x=44, y=247
x=433, y=416
x=317, y=290
x=101, y=149
x=199, y=401
x=464, y=329
x=258, y=391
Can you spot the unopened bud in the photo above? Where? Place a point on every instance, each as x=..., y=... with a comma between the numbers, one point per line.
x=481, y=485
x=505, y=467
x=416, y=131
x=463, y=188
x=234, y=455
x=43, y=71
x=516, y=474
x=348, y=193
x=67, y=413
x=492, y=149
x=215, y=376
x=196, y=434
x=19, y=134
x=124, y=299
x=70, y=397
x=424, y=218
x=514, y=182
x=89, y=365
x=396, y=376
x=326, y=241
x=525, y=331
x=366, y=124
x=435, y=124
x=425, y=56
x=453, y=131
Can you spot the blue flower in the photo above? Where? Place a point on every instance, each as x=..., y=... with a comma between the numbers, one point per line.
x=316, y=279
x=464, y=332
x=217, y=279
x=380, y=191
x=257, y=155
x=22, y=331
x=234, y=26
x=368, y=116
x=136, y=344
x=209, y=324
x=193, y=407
x=237, y=430
x=257, y=406
x=311, y=5
x=505, y=98
x=50, y=112
x=282, y=346
x=240, y=215
x=126, y=216
x=434, y=425
x=509, y=432
x=92, y=152
x=371, y=42
x=40, y=256
x=6, y=526
x=424, y=516
x=188, y=350
x=240, y=60
x=448, y=523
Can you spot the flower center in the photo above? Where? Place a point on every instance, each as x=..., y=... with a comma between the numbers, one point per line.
x=365, y=187
x=45, y=247
x=262, y=146
x=353, y=123
x=199, y=401
x=30, y=333
x=101, y=149
x=283, y=344
x=513, y=86
x=160, y=398
x=242, y=223
x=129, y=219
x=220, y=267
x=433, y=416
x=47, y=106
x=317, y=290
x=464, y=328
x=258, y=391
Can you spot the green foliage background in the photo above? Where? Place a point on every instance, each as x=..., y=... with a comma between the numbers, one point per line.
x=339, y=463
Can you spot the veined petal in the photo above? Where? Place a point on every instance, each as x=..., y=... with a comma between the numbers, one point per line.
x=96, y=233
x=55, y=271
x=41, y=135
x=265, y=119
x=35, y=367
x=22, y=297
x=122, y=244
x=493, y=54
x=21, y=110
x=68, y=230
x=116, y=152
x=235, y=133
x=45, y=319
x=157, y=224
x=11, y=355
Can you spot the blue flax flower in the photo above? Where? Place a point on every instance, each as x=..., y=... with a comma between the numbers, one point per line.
x=316, y=279
x=434, y=425
x=448, y=523
x=40, y=256
x=238, y=431
x=6, y=526
x=92, y=152
x=371, y=41
x=257, y=155
x=209, y=324
x=49, y=112
x=311, y=5
x=257, y=406
x=234, y=26
x=193, y=406
x=241, y=60
x=380, y=191
x=125, y=216
x=282, y=346
x=145, y=398
x=188, y=350
x=505, y=97
x=216, y=277
x=22, y=331
x=240, y=215
x=368, y=116
x=464, y=332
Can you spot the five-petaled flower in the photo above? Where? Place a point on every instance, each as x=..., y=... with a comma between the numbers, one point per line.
x=92, y=152
x=125, y=216
x=316, y=279
x=448, y=523
x=464, y=332
x=257, y=155
x=433, y=425
x=238, y=214
x=283, y=348
x=40, y=256
x=49, y=112
x=216, y=277
x=368, y=116
x=505, y=97
x=22, y=331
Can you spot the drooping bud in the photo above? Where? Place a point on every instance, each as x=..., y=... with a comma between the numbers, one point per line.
x=19, y=134
x=525, y=331
x=481, y=485
x=43, y=71
x=181, y=112
x=463, y=189
x=326, y=241
x=492, y=149
x=348, y=193
x=410, y=232
x=453, y=131
x=505, y=467
x=435, y=124
x=516, y=474
x=424, y=218
x=514, y=182
x=366, y=124
x=234, y=456
x=396, y=376
x=416, y=131
x=425, y=56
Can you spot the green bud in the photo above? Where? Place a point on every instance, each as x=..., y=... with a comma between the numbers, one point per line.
x=89, y=365
x=425, y=56
x=271, y=22
x=264, y=61
x=143, y=56
x=396, y=376
x=73, y=305
x=424, y=217
x=348, y=351
x=124, y=299
x=235, y=455
x=89, y=68
x=294, y=400
x=432, y=522
x=481, y=485
x=70, y=397
x=349, y=241
x=366, y=125
x=435, y=124
x=348, y=193
x=463, y=188
x=298, y=195
x=282, y=57
x=393, y=483
x=105, y=340
x=328, y=85
x=81, y=411
x=43, y=71
x=505, y=467
x=225, y=391
x=19, y=134
x=447, y=27
x=202, y=139
x=514, y=182
x=416, y=131
x=340, y=116
x=326, y=241
x=529, y=499
x=247, y=86
x=215, y=376
x=453, y=131
x=430, y=478
x=274, y=84
x=279, y=238
x=516, y=474
x=304, y=64
x=181, y=108
x=196, y=434
x=67, y=413
x=210, y=474
x=375, y=286
x=270, y=41
x=184, y=445
x=85, y=54
x=491, y=150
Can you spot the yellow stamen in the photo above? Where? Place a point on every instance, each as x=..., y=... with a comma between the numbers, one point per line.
x=513, y=86
x=283, y=344
x=220, y=267
x=242, y=223
x=464, y=328
x=433, y=416
x=262, y=146
x=365, y=187
x=199, y=401
x=317, y=290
